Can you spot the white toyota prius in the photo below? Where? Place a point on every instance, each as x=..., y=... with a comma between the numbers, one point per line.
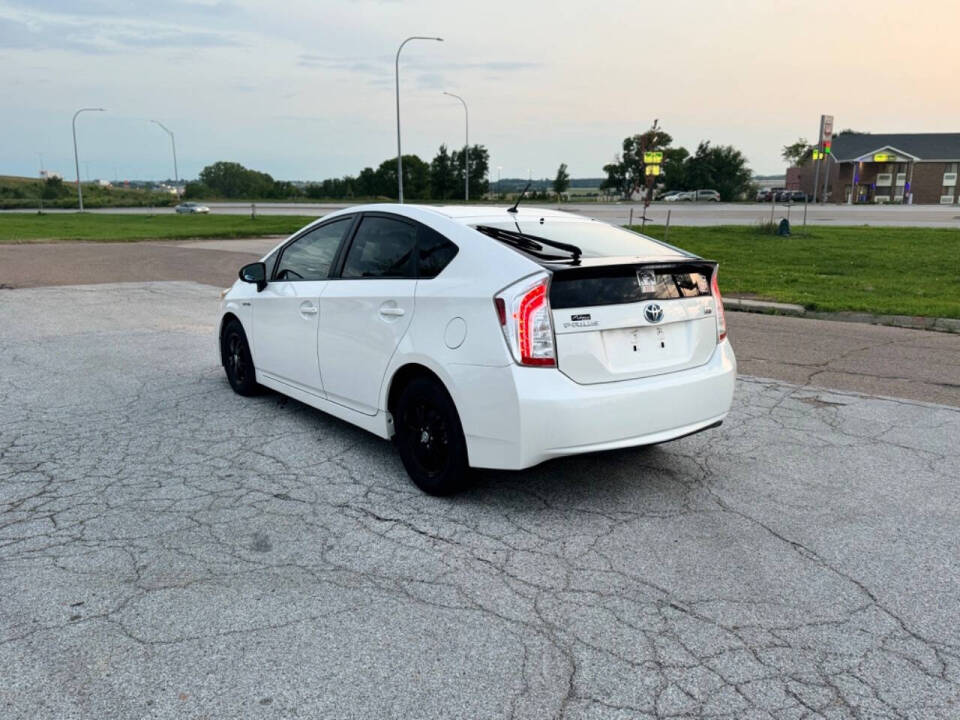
x=484, y=337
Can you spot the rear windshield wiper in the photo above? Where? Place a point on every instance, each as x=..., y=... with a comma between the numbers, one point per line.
x=531, y=244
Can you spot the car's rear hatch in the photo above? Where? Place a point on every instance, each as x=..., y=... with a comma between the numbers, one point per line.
x=625, y=319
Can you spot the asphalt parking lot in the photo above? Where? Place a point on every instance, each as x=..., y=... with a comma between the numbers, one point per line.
x=169, y=549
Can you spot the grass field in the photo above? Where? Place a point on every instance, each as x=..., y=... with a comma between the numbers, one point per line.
x=896, y=271
x=98, y=227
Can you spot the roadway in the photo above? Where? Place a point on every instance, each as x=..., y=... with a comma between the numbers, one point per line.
x=701, y=214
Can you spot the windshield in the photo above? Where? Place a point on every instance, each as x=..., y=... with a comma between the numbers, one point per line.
x=594, y=239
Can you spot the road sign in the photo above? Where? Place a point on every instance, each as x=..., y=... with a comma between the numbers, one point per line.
x=653, y=170
x=826, y=128
x=652, y=158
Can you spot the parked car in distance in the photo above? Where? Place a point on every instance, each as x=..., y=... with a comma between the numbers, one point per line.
x=797, y=196
x=683, y=196
x=483, y=337
x=765, y=195
x=669, y=194
x=191, y=208
x=707, y=195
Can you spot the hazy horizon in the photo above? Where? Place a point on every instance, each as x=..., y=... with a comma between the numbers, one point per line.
x=307, y=93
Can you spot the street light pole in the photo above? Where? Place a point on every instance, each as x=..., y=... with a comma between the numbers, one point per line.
x=466, y=147
x=76, y=155
x=173, y=144
x=396, y=68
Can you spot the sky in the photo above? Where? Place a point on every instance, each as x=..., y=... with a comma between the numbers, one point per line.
x=304, y=89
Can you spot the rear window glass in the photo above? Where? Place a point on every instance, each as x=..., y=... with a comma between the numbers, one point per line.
x=595, y=239
x=619, y=284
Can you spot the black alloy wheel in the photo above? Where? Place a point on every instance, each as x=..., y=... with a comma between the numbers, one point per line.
x=430, y=438
x=237, y=361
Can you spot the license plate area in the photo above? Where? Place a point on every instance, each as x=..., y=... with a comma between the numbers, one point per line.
x=647, y=347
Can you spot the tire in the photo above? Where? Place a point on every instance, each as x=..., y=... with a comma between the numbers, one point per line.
x=236, y=359
x=429, y=437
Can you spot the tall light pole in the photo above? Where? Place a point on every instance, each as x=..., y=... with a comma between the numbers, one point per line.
x=76, y=155
x=499, y=188
x=173, y=144
x=466, y=147
x=396, y=68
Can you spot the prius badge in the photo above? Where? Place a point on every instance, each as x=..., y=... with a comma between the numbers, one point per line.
x=653, y=313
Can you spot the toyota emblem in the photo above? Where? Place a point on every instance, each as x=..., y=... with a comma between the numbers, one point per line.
x=653, y=313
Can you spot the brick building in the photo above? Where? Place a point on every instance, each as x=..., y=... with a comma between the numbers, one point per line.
x=893, y=168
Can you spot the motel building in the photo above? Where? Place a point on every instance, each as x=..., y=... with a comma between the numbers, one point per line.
x=912, y=168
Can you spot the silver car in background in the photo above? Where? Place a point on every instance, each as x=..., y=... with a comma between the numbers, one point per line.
x=191, y=208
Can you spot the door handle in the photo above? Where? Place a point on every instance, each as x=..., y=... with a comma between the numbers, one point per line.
x=392, y=311
x=308, y=309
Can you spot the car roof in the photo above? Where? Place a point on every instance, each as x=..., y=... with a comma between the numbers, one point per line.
x=473, y=214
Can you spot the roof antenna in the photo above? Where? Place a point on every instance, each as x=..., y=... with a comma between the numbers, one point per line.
x=514, y=208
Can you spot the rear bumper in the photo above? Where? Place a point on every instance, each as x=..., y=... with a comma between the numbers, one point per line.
x=515, y=417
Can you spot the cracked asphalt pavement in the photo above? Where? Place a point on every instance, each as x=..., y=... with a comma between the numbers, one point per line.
x=169, y=549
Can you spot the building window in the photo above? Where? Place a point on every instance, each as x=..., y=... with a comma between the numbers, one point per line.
x=950, y=168
x=947, y=190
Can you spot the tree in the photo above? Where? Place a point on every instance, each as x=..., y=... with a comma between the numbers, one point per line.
x=616, y=178
x=797, y=153
x=479, y=165
x=54, y=188
x=627, y=174
x=416, y=178
x=562, y=181
x=442, y=176
x=673, y=171
x=233, y=180
x=367, y=183
x=722, y=168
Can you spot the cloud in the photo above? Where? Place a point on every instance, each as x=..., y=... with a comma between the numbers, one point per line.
x=429, y=73
x=176, y=9
x=99, y=38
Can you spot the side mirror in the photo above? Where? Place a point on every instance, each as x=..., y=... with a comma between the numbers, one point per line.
x=255, y=273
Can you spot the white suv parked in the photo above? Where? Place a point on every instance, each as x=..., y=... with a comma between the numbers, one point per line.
x=484, y=337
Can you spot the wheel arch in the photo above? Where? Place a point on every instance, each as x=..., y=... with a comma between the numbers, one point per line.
x=227, y=317
x=402, y=375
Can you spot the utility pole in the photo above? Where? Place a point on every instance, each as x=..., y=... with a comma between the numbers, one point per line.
x=173, y=144
x=396, y=68
x=466, y=147
x=76, y=154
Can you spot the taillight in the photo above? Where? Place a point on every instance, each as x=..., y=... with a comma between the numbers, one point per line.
x=524, y=314
x=721, y=317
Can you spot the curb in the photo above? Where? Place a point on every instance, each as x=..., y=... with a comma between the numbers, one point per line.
x=914, y=322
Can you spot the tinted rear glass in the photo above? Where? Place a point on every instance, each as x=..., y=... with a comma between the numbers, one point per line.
x=595, y=239
x=435, y=252
x=620, y=284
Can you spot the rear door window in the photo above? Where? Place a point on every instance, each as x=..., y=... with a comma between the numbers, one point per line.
x=382, y=247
